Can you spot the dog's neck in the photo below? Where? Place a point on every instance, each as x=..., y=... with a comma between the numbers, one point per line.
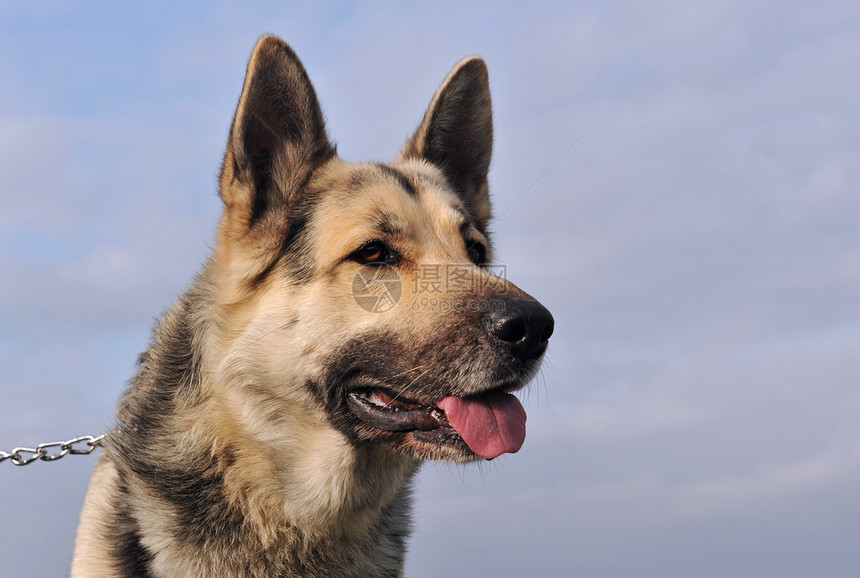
x=317, y=481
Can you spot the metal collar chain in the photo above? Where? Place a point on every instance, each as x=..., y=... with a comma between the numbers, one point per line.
x=81, y=446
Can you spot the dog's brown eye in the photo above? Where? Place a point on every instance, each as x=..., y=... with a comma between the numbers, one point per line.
x=477, y=252
x=374, y=253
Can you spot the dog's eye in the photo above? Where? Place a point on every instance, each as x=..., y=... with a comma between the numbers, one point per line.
x=477, y=252
x=374, y=253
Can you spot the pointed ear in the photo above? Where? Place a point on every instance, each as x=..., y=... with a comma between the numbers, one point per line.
x=277, y=138
x=457, y=134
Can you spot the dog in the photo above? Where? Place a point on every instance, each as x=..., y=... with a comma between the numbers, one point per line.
x=347, y=327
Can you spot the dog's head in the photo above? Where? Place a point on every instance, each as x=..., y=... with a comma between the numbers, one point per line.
x=361, y=296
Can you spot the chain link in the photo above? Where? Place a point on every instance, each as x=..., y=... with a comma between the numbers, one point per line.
x=52, y=451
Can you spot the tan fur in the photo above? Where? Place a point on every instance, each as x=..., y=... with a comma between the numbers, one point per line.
x=92, y=555
x=237, y=452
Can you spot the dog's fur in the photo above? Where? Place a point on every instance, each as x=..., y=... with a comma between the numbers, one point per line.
x=241, y=448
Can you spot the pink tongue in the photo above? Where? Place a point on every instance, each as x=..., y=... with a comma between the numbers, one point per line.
x=491, y=424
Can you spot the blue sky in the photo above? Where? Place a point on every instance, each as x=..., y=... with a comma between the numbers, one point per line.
x=699, y=246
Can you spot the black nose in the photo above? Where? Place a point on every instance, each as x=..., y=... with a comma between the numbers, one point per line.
x=523, y=325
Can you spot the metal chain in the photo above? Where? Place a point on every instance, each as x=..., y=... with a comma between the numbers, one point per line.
x=26, y=456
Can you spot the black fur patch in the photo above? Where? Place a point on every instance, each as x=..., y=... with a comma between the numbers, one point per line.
x=296, y=248
x=389, y=225
x=401, y=179
x=196, y=493
x=131, y=558
x=166, y=386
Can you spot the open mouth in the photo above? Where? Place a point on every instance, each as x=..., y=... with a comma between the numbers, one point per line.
x=490, y=423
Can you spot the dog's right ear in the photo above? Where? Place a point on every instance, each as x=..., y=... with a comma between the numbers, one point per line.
x=277, y=139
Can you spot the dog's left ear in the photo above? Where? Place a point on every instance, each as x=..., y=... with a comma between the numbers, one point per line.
x=457, y=134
